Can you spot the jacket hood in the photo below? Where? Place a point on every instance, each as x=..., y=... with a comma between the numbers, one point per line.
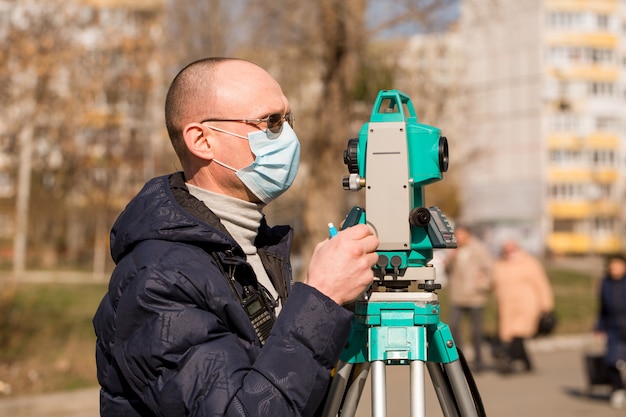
x=154, y=213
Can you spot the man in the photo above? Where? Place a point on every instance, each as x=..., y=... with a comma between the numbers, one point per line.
x=470, y=268
x=196, y=263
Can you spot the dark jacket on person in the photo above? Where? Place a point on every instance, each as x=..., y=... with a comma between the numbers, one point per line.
x=612, y=318
x=173, y=340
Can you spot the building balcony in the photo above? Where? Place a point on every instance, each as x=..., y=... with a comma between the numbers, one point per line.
x=583, y=209
x=605, y=175
x=571, y=140
x=601, y=140
x=600, y=39
x=600, y=73
x=597, y=6
x=563, y=243
x=565, y=140
x=583, y=174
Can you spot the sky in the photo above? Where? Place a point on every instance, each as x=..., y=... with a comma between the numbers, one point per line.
x=381, y=10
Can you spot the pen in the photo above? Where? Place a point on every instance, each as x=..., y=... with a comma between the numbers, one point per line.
x=332, y=230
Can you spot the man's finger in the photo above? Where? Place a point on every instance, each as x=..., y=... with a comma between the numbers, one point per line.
x=358, y=231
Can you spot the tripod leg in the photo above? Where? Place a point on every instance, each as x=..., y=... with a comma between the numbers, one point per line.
x=461, y=390
x=443, y=390
x=418, y=396
x=337, y=389
x=355, y=389
x=379, y=389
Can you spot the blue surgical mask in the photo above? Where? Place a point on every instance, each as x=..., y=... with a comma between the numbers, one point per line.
x=277, y=158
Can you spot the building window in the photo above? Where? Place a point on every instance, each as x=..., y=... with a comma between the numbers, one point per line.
x=574, y=55
x=601, y=89
x=564, y=55
x=599, y=55
x=565, y=20
x=603, y=225
x=563, y=226
x=605, y=190
x=567, y=191
x=579, y=191
x=607, y=124
x=603, y=158
x=565, y=122
x=566, y=157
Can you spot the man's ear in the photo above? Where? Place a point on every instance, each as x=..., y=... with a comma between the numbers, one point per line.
x=197, y=138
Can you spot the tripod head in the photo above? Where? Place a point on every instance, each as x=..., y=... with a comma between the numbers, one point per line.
x=394, y=158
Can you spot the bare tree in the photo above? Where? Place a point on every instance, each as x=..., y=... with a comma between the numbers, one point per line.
x=324, y=54
x=90, y=81
x=195, y=29
x=79, y=99
x=28, y=58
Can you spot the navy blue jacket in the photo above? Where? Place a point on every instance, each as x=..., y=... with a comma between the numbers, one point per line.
x=612, y=318
x=172, y=340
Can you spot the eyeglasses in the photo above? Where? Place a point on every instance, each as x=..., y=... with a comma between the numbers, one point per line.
x=274, y=121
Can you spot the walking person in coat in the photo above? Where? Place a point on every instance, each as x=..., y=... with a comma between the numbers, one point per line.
x=523, y=292
x=197, y=264
x=469, y=280
x=612, y=322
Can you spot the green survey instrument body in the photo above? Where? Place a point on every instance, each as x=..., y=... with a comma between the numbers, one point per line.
x=393, y=158
x=397, y=320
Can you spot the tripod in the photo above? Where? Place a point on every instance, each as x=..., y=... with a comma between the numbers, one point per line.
x=393, y=158
x=402, y=328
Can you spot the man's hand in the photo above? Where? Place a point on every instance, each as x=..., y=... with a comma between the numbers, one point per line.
x=341, y=267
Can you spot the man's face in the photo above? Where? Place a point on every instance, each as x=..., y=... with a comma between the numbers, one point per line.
x=509, y=248
x=617, y=268
x=246, y=92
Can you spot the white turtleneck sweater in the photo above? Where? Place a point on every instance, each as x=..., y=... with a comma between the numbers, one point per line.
x=242, y=220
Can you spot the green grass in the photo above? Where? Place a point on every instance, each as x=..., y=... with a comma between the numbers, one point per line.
x=46, y=336
x=576, y=300
x=47, y=339
x=575, y=295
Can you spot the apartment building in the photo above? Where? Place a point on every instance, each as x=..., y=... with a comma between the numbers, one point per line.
x=545, y=101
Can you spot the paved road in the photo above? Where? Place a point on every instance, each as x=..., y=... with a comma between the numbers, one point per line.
x=554, y=389
x=82, y=403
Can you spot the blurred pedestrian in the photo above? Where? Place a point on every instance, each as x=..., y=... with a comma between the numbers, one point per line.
x=469, y=280
x=612, y=322
x=523, y=293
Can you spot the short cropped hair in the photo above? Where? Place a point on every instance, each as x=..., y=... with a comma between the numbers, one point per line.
x=191, y=85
